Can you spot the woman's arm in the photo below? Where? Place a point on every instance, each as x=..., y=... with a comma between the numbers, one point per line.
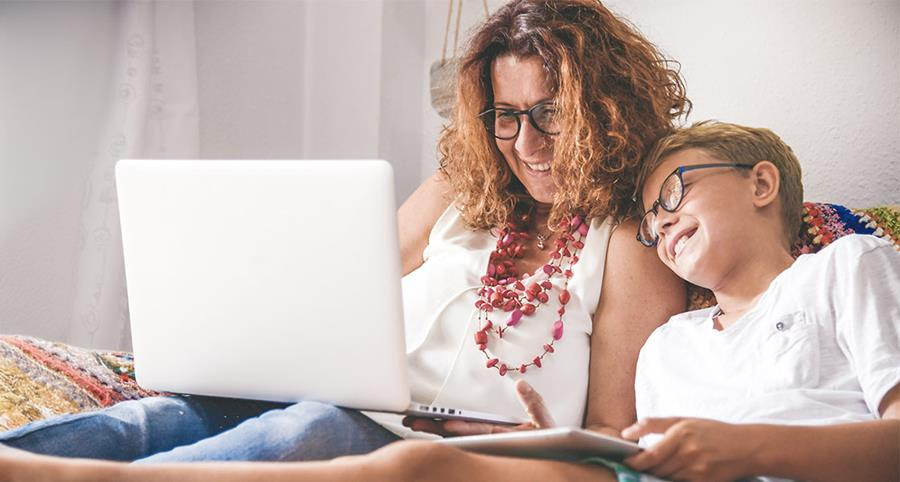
x=639, y=294
x=416, y=218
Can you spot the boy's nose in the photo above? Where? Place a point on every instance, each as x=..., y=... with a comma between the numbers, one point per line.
x=665, y=220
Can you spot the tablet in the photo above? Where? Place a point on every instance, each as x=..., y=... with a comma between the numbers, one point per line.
x=561, y=443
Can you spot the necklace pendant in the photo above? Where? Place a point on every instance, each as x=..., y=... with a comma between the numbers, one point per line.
x=540, y=242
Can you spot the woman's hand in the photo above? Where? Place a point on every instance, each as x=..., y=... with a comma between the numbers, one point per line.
x=694, y=449
x=528, y=396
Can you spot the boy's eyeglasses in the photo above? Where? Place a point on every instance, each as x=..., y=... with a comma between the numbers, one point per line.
x=671, y=193
x=506, y=123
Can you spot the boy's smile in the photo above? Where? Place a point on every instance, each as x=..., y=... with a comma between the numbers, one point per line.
x=679, y=241
x=700, y=239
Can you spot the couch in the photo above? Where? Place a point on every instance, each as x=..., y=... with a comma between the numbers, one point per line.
x=40, y=379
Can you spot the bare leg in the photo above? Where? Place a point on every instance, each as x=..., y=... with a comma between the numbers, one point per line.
x=399, y=461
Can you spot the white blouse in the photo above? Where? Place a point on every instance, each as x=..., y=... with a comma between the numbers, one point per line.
x=446, y=368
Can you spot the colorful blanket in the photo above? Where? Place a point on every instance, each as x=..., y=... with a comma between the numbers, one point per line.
x=40, y=379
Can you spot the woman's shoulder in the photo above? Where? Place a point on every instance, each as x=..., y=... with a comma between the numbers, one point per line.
x=418, y=215
x=426, y=204
x=623, y=242
x=635, y=276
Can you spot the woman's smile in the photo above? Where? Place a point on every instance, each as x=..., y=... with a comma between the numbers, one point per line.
x=538, y=168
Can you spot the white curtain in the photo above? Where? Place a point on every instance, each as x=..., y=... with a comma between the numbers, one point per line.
x=152, y=112
x=83, y=84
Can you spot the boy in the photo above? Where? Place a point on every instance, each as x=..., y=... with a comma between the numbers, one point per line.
x=804, y=355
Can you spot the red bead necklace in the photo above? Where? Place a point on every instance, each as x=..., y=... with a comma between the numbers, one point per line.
x=503, y=290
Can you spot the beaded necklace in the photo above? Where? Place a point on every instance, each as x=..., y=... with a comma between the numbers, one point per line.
x=502, y=290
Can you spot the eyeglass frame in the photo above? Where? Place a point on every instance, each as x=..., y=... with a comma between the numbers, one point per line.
x=517, y=115
x=679, y=173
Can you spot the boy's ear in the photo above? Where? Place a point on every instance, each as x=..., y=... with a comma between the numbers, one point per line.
x=766, y=183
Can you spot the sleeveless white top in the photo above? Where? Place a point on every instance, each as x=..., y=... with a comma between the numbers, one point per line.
x=445, y=366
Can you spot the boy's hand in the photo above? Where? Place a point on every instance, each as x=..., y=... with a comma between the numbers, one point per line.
x=528, y=396
x=694, y=449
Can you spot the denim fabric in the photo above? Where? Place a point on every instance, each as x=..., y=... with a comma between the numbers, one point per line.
x=173, y=429
x=304, y=431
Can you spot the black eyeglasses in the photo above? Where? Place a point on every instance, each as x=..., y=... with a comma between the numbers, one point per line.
x=506, y=123
x=671, y=193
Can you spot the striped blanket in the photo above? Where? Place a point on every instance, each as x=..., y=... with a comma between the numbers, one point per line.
x=40, y=379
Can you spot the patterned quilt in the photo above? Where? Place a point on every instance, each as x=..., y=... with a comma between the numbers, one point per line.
x=40, y=379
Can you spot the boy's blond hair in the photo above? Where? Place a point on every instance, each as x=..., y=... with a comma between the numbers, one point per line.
x=745, y=145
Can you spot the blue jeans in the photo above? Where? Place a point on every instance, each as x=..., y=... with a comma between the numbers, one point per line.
x=193, y=428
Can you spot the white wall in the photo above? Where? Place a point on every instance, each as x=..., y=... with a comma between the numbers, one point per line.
x=823, y=74
x=323, y=80
x=401, y=130
x=250, y=73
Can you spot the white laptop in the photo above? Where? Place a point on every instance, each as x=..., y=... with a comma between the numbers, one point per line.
x=269, y=280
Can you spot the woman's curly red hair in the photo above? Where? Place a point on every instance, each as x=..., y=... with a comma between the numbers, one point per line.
x=615, y=94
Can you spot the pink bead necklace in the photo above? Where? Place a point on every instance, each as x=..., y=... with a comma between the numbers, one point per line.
x=502, y=289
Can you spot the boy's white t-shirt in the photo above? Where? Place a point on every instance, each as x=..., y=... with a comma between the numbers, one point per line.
x=822, y=346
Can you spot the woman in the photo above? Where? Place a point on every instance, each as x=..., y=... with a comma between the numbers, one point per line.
x=505, y=251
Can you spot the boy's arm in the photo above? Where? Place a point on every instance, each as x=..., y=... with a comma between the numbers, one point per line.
x=851, y=451
x=697, y=449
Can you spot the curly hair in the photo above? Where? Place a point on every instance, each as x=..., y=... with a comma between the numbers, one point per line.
x=615, y=94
